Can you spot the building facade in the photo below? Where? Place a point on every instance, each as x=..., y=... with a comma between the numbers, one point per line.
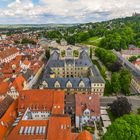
x=87, y=109
x=72, y=74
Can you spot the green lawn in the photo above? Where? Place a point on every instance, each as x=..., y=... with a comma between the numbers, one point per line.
x=93, y=41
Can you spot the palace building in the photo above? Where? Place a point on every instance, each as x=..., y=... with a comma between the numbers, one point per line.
x=72, y=73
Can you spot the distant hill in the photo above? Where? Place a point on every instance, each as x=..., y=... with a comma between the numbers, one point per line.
x=116, y=34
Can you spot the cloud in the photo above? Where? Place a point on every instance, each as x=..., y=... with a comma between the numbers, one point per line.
x=69, y=11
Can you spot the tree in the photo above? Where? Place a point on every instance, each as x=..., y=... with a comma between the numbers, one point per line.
x=124, y=128
x=115, y=67
x=27, y=41
x=125, y=81
x=63, y=53
x=54, y=35
x=106, y=56
x=83, y=36
x=108, y=90
x=103, y=72
x=132, y=58
x=71, y=40
x=91, y=51
x=115, y=83
x=75, y=53
x=138, y=110
x=120, y=107
x=47, y=53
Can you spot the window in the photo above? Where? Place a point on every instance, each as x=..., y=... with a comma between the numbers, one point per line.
x=57, y=85
x=69, y=84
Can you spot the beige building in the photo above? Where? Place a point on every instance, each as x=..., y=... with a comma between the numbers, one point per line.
x=72, y=74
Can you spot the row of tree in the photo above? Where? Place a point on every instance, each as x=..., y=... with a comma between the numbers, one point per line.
x=25, y=41
x=120, y=82
x=106, y=56
x=120, y=79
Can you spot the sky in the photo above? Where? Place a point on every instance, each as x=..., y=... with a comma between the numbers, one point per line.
x=64, y=11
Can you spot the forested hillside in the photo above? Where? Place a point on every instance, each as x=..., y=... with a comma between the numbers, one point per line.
x=113, y=34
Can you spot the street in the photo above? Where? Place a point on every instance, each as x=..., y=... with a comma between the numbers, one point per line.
x=134, y=100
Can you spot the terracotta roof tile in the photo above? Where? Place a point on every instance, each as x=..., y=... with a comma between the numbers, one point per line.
x=3, y=87
x=91, y=102
x=8, y=118
x=59, y=128
x=4, y=105
x=26, y=62
x=85, y=135
x=136, y=62
x=8, y=52
x=14, y=135
x=50, y=100
x=19, y=83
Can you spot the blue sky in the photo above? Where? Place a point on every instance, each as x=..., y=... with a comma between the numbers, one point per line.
x=64, y=11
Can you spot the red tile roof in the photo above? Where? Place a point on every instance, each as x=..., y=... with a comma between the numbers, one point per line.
x=85, y=135
x=3, y=87
x=50, y=100
x=136, y=62
x=4, y=105
x=91, y=102
x=7, y=69
x=59, y=128
x=14, y=135
x=73, y=136
x=8, y=52
x=19, y=83
x=26, y=62
x=8, y=118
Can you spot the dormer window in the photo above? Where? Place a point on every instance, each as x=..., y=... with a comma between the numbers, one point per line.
x=87, y=112
x=69, y=84
x=57, y=84
x=13, y=89
x=81, y=84
x=45, y=84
